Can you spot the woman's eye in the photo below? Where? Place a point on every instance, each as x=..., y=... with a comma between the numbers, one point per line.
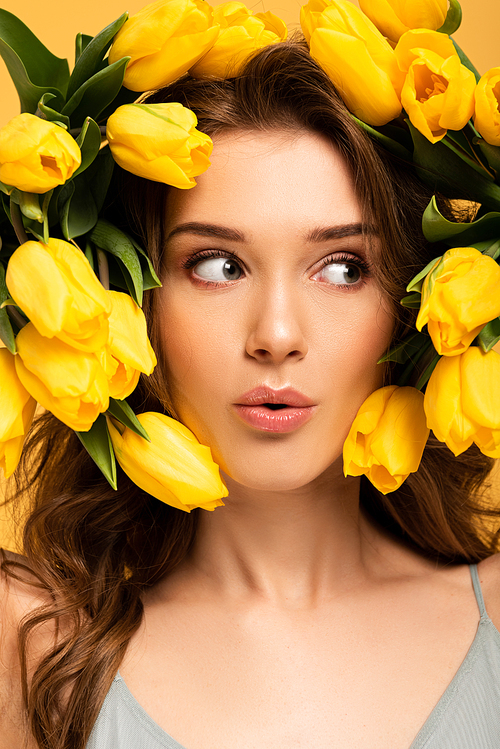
x=341, y=274
x=218, y=269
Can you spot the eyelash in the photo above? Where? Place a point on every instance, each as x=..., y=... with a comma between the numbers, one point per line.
x=343, y=257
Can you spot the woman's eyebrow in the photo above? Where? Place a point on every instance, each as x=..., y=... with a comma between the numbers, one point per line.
x=207, y=230
x=339, y=231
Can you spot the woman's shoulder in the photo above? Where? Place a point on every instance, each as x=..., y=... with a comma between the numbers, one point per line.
x=489, y=577
x=19, y=597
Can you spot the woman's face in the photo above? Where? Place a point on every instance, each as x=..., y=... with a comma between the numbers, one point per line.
x=267, y=286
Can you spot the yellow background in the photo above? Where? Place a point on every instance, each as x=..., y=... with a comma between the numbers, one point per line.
x=56, y=24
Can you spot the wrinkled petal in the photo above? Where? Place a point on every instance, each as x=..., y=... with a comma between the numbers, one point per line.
x=487, y=114
x=57, y=289
x=357, y=58
x=462, y=403
x=164, y=40
x=459, y=296
x=394, y=17
x=17, y=409
x=174, y=467
x=387, y=437
x=69, y=383
x=36, y=155
x=241, y=33
x=159, y=142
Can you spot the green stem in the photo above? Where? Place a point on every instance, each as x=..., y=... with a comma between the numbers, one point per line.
x=17, y=222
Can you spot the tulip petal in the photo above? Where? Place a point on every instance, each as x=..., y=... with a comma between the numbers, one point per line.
x=174, y=467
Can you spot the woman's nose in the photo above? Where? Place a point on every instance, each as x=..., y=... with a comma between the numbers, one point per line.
x=277, y=327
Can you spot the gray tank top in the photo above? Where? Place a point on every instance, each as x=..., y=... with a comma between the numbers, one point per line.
x=466, y=717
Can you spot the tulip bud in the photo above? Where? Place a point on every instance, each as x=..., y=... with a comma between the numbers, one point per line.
x=387, y=437
x=438, y=92
x=164, y=40
x=487, y=114
x=393, y=18
x=462, y=401
x=69, y=383
x=57, y=289
x=159, y=142
x=128, y=351
x=241, y=33
x=459, y=296
x=36, y=155
x=17, y=409
x=174, y=467
x=357, y=58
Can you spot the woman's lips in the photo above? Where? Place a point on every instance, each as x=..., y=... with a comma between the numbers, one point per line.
x=254, y=408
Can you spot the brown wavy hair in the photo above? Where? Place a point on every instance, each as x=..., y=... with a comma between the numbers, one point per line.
x=96, y=550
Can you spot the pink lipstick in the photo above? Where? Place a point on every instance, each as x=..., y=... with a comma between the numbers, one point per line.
x=275, y=410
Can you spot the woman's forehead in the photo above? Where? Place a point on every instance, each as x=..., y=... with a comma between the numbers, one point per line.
x=296, y=182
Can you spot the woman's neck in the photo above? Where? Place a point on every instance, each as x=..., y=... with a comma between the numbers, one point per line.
x=293, y=548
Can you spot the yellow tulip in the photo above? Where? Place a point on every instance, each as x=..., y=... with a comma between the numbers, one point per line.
x=174, y=467
x=438, y=92
x=459, y=296
x=462, y=401
x=129, y=351
x=36, y=155
x=241, y=33
x=394, y=17
x=164, y=40
x=387, y=437
x=69, y=383
x=357, y=58
x=17, y=409
x=159, y=142
x=487, y=114
x=57, y=289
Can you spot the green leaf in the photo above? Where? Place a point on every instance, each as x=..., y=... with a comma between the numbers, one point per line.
x=489, y=335
x=93, y=54
x=89, y=142
x=124, y=96
x=77, y=209
x=51, y=114
x=98, y=176
x=453, y=18
x=97, y=443
x=6, y=331
x=437, y=228
x=490, y=153
x=406, y=349
x=465, y=61
x=110, y=239
x=424, y=377
x=487, y=248
x=149, y=277
x=415, y=284
x=32, y=67
x=446, y=172
x=391, y=145
x=124, y=414
x=96, y=93
x=456, y=145
x=81, y=42
x=412, y=301
x=423, y=354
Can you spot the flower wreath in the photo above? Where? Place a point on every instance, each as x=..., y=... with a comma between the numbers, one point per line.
x=71, y=284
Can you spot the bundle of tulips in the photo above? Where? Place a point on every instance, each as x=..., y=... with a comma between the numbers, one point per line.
x=71, y=283
x=414, y=90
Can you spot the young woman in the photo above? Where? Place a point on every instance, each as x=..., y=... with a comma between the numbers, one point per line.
x=311, y=608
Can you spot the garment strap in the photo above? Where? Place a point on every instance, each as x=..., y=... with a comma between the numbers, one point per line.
x=477, y=589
